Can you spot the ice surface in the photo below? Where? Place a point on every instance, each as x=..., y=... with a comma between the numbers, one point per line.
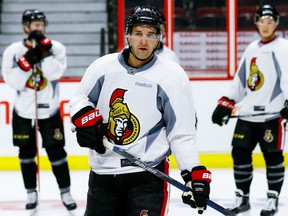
x=13, y=194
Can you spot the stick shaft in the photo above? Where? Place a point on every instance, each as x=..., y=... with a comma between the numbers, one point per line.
x=36, y=123
x=251, y=115
x=37, y=145
x=161, y=175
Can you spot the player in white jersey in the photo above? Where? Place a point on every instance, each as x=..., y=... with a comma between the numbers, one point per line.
x=37, y=63
x=259, y=86
x=144, y=104
x=163, y=50
x=166, y=52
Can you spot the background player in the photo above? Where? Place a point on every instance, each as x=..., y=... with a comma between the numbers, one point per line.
x=37, y=63
x=162, y=49
x=261, y=86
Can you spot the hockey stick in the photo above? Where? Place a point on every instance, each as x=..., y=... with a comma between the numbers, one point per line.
x=102, y=42
x=251, y=115
x=36, y=84
x=161, y=175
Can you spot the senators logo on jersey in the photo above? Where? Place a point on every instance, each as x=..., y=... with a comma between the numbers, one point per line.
x=256, y=79
x=123, y=126
x=37, y=79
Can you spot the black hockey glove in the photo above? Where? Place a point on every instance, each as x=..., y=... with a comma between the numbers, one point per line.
x=43, y=44
x=284, y=111
x=223, y=111
x=199, y=181
x=90, y=129
x=31, y=57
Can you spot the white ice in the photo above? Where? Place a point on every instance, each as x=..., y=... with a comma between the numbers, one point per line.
x=13, y=195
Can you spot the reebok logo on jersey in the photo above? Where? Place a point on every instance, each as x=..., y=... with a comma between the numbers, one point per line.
x=145, y=85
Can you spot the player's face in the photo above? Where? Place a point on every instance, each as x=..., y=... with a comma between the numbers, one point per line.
x=36, y=25
x=266, y=27
x=143, y=40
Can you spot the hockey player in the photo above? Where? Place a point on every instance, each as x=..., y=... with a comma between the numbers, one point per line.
x=37, y=62
x=144, y=104
x=260, y=86
x=162, y=49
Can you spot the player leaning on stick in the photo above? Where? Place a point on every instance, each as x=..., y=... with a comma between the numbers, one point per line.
x=48, y=62
x=143, y=103
x=261, y=85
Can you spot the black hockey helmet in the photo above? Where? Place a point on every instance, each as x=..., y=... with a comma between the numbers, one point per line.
x=30, y=15
x=143, y=15
x=267, y=10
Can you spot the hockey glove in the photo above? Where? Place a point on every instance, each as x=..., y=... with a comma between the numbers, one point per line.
x=43, y=44
x=284, y=111
x=90, y=129
x=199, y=182
x=30, y=58
x=223, y=111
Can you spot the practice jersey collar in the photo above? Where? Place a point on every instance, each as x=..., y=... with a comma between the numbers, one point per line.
x=131, y=70
x=269, y=41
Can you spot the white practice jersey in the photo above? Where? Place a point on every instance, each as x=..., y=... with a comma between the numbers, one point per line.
x=261, y=82
x=148, y=111
x=166, y=52
x=51, y=69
